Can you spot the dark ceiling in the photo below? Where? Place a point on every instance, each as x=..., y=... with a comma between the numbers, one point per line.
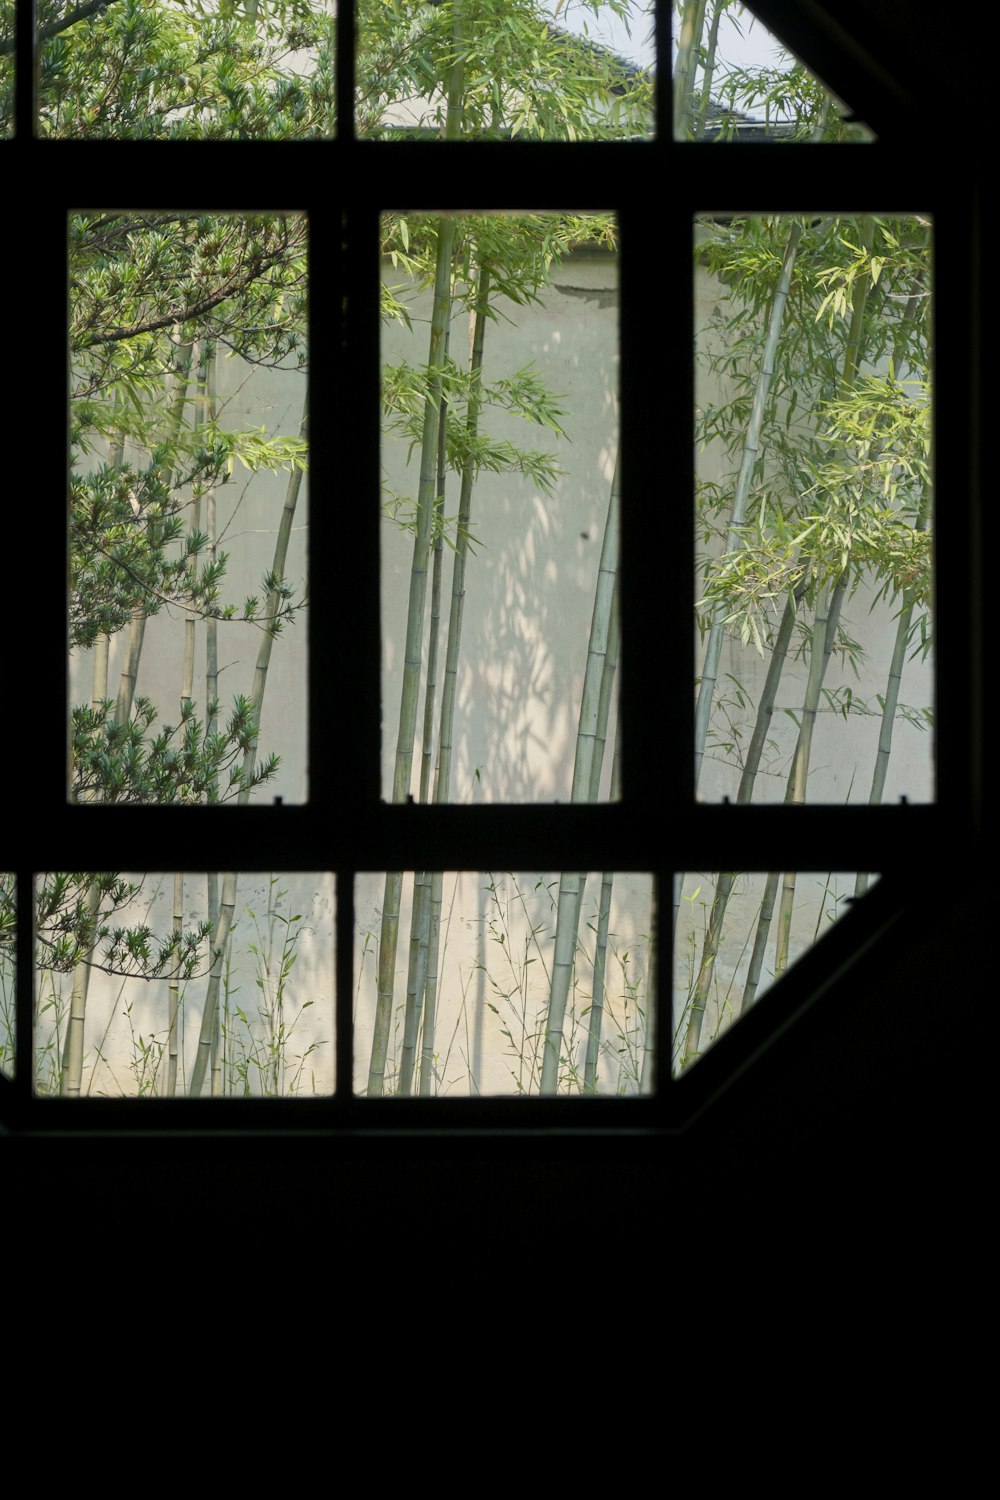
x=861, y=47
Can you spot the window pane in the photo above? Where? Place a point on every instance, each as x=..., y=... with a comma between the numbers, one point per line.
x=499, y=599
x=8, y=973
x=188, y=507
x=734, y=81
x=527, y=984
x=735, y=935
x=814, y=510
x=128, y=1002
x=254, y=70
x=527, y=69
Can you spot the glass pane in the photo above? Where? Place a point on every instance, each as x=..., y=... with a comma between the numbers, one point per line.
x=128, y=1002
x=735, y=935
x=814, y=510
x=734, y=81
x=502, y=984
x=499, y=670
x=188, y=514
x=526, y=69
x=207, y=71
x=8, y=974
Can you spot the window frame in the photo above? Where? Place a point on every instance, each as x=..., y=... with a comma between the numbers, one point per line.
x=648, y=831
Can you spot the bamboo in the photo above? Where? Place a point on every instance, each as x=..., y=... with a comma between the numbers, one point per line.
x=751, y=765
x=173, y=992
x=227, y=904
x=688, y=47
x=713, y=649
x=596, y=1017
x=446, y=731
x=421, y=902
x=709, y=68
x=571, y=883
x=824, y=633
x=220, y=937
x=413, y=651
x=595, y=1020
x=894, y=682
x=822, y=644
x=71, y=1077
x=647, y=1077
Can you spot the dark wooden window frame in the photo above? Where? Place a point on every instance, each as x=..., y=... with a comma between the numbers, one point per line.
x=656, y=188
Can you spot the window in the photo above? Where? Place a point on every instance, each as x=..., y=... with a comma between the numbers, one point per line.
x=657, y=828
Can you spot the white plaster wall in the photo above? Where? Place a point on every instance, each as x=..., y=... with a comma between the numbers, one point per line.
x=530, y=586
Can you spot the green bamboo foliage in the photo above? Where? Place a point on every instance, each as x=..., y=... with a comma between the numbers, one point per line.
x=821, y=641
x=751, y=455
x=590, y=734
x=825, y=626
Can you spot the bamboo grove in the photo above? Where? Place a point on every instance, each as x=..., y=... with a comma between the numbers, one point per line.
x=814, y=498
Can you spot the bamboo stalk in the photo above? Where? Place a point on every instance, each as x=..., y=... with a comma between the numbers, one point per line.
x=588, y=734
x=173, y=992
x=413, y=650
x=824, y=633
x=688, y=47
x=751, y=765
x=227, y=904
x=894, y=682
x=446, y=731
x=709, y=68
x=596, y=1017
x=421, y=901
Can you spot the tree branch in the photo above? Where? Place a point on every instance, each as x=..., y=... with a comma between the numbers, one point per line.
x=178, y=315
x=78, y=13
